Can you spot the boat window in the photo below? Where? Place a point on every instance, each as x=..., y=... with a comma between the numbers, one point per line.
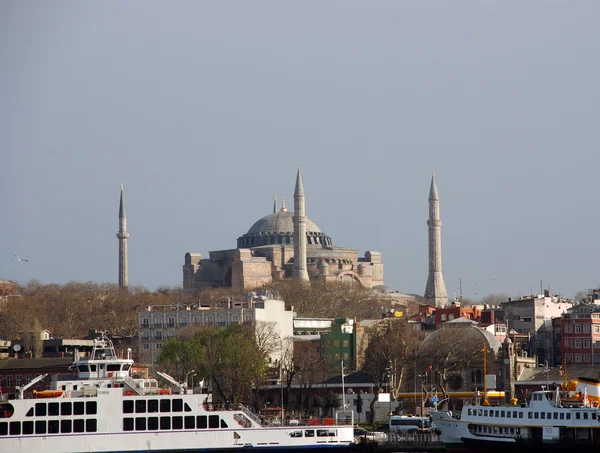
x=190, y=422
x=53, y=427
x=296, y=434
x=40, y=426
x=501, y=413
x=469, y=411
x=568, y=416
x=152, y=405
x=485, y=413
x=79, y=425
x=178, y=405
x=28, y=427
x=213, y=421
x=128, y=424
x=309, y=433
x=555, y=415
x=593, y=416
x=187, y=408
x=585, y=415
x=66, y=426
x=128, y=406
x=126, y=367
x=520, y=414
x=152, y=423
x=549, y=415
x=29, y=412
x=66, y=409
x=536, y=415
x=83, y=368
x=93, y=368
x=577, y=415
x=78, y=408
x=40, y=409
x=562, y=416
x=515, y=414
x=177, y=422
x=201, y=422
x=140, y=406
x=15, y=428
x=508, y=414
x=53, y=409
x=497, y=413
x=3, y=428
x=91, y=407
x=501, y=430
x=140, y=423
x=165, y=422
x=165, y=406
x=91, y=425
x=529, y=415
x=224, y=424
x=113, y=367
x=479, y=412
x=543, y=415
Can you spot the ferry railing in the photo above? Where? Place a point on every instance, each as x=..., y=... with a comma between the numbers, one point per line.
x=415, y=439
x=250, y=414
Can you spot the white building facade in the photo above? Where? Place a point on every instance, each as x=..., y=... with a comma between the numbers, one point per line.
x=163, y=322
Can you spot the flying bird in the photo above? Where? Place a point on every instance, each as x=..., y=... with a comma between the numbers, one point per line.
x=20, y=260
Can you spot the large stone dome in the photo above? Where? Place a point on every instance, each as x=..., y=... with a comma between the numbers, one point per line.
x=280, y=222
x=278, y=228
x=463, y=334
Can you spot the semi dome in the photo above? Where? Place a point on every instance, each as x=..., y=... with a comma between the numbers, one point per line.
x=463, y=334
x=280, y=222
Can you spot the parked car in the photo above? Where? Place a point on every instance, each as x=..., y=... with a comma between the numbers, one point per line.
x=362, y=435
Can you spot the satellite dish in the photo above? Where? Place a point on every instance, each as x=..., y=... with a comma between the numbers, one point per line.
x=17, y=347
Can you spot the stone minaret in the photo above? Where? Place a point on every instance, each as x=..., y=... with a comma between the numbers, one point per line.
x=123, y=235
x=435, y=292
x=300, y=270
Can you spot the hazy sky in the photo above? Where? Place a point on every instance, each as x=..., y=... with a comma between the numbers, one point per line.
x=203, y=110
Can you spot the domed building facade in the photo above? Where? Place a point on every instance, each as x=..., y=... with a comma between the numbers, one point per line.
x=268, y=250
x=458, y=347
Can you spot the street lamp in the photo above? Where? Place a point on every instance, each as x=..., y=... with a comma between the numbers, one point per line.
x=186, y=379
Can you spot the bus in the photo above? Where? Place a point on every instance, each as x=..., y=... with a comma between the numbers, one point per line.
x=405, y=424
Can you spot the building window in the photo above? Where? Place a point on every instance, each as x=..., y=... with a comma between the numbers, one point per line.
x=346, y=343
x=336, y=344
x=586, y=328
x=586, y=343
x=577, y=328
x=18, y=380
x=577, y=358
x=443, y=316
x=146, y=346
x=145, y=323
x=569, y=329
x=596, y=358
x=451, y=316
x=183, y=322
x=577, y=344
x=159, y=345
x=586, y=358
x=158, y=336
x=171, y=322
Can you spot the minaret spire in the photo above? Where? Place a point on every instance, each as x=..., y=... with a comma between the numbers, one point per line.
x=435, y=291
x=274, y=203
x=300, y=269
x=123, y=235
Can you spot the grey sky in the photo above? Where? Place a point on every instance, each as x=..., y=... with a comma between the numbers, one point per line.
x=203, y=109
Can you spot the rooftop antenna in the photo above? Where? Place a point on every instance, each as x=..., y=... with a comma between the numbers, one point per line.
x=460, y=288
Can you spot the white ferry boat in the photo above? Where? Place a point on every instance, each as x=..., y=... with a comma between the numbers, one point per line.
x=550, y=421
x=103, y=409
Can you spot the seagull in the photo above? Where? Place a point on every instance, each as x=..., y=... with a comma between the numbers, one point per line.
x=20, y=260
